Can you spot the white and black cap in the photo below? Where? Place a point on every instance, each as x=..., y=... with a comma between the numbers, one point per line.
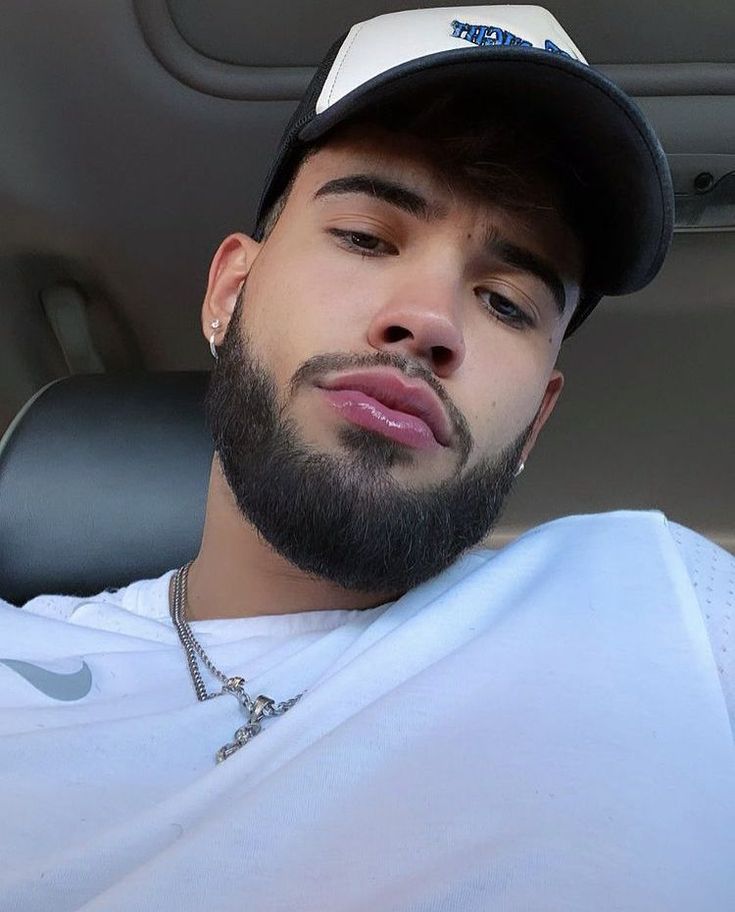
x=518, y=56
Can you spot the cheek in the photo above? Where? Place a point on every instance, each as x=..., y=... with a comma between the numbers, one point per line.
x=512, y=390
x=296, y=307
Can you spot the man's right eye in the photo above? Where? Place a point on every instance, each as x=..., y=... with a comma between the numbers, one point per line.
x=361, y=241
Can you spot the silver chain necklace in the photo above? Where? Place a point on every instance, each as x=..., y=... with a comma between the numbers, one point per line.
x=255, y=709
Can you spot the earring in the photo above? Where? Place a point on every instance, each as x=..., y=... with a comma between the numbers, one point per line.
x=521, y=467
x=215, y=324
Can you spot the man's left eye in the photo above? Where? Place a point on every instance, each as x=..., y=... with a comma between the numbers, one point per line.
x=365, y=241
x=504, y=309
x=362, y=241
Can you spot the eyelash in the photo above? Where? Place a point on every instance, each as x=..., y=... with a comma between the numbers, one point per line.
x=519, y=320
x=347, y=238
x=350, y=240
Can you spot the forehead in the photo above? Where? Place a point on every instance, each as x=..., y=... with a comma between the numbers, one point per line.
x=534, y=215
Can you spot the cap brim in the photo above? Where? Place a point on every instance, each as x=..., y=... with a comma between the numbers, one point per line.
x=614, y=152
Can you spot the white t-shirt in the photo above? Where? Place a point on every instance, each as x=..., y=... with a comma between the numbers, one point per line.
x=547, y=726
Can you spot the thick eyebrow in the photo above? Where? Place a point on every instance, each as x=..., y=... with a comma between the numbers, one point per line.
x=524, y=260
x=388, y=191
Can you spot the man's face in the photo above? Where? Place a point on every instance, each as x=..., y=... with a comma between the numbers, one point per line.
x=376, y=266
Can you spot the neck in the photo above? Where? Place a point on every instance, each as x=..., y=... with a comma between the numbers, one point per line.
x=238, y=574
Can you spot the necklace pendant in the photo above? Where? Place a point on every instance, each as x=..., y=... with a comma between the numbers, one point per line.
x=241, y=737
x=262, y=707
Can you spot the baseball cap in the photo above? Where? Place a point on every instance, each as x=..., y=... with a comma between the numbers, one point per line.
x=517, y=55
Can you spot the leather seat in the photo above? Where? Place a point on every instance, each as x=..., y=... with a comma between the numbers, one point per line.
x=103, y=480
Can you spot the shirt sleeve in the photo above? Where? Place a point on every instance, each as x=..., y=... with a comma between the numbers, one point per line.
x=712, y=572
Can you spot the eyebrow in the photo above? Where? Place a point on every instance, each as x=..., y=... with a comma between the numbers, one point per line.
x=412, y=202
x=388, y=191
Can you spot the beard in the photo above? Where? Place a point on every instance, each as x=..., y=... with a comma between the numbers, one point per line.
x=343, y=517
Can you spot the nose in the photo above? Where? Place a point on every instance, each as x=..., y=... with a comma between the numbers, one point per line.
x=423, y=320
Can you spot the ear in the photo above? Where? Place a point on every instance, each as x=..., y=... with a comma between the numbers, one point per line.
x=227, y=274
x=551, y=395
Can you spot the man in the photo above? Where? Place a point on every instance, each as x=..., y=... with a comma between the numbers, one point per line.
x=338, y=704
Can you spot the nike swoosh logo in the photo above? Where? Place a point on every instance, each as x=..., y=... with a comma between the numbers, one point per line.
x=53, y=684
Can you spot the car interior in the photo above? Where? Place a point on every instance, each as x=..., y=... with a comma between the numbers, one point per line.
x=138, y=133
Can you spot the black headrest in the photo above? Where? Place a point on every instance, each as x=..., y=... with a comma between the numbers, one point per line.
x=103, y=480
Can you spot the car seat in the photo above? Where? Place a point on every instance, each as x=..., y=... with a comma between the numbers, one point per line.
x=103, y=480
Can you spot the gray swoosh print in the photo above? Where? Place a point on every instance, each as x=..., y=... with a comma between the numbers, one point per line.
x=58, y=686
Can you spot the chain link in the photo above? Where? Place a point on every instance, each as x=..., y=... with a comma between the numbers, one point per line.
x=192, y=646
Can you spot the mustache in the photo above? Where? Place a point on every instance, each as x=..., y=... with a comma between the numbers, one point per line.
x=320, y=364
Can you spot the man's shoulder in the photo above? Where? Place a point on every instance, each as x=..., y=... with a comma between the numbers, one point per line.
x=699, y=554
x=575, y=524
x=622, y=520
x=144, y=597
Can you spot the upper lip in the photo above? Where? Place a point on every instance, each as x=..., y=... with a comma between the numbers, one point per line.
x=393, y=390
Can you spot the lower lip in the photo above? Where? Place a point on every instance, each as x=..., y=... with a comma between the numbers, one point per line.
x=369, y=413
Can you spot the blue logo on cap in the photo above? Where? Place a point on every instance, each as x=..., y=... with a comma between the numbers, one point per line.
x=494, y=36
x=485, y=35
x=553, y=49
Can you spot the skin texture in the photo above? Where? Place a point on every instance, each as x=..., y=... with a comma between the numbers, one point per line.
x=420, y=291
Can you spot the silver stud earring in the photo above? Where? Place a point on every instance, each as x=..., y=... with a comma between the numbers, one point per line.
x=521, y=467
x=215, y=324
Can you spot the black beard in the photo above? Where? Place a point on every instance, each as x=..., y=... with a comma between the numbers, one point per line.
x=344, y=518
